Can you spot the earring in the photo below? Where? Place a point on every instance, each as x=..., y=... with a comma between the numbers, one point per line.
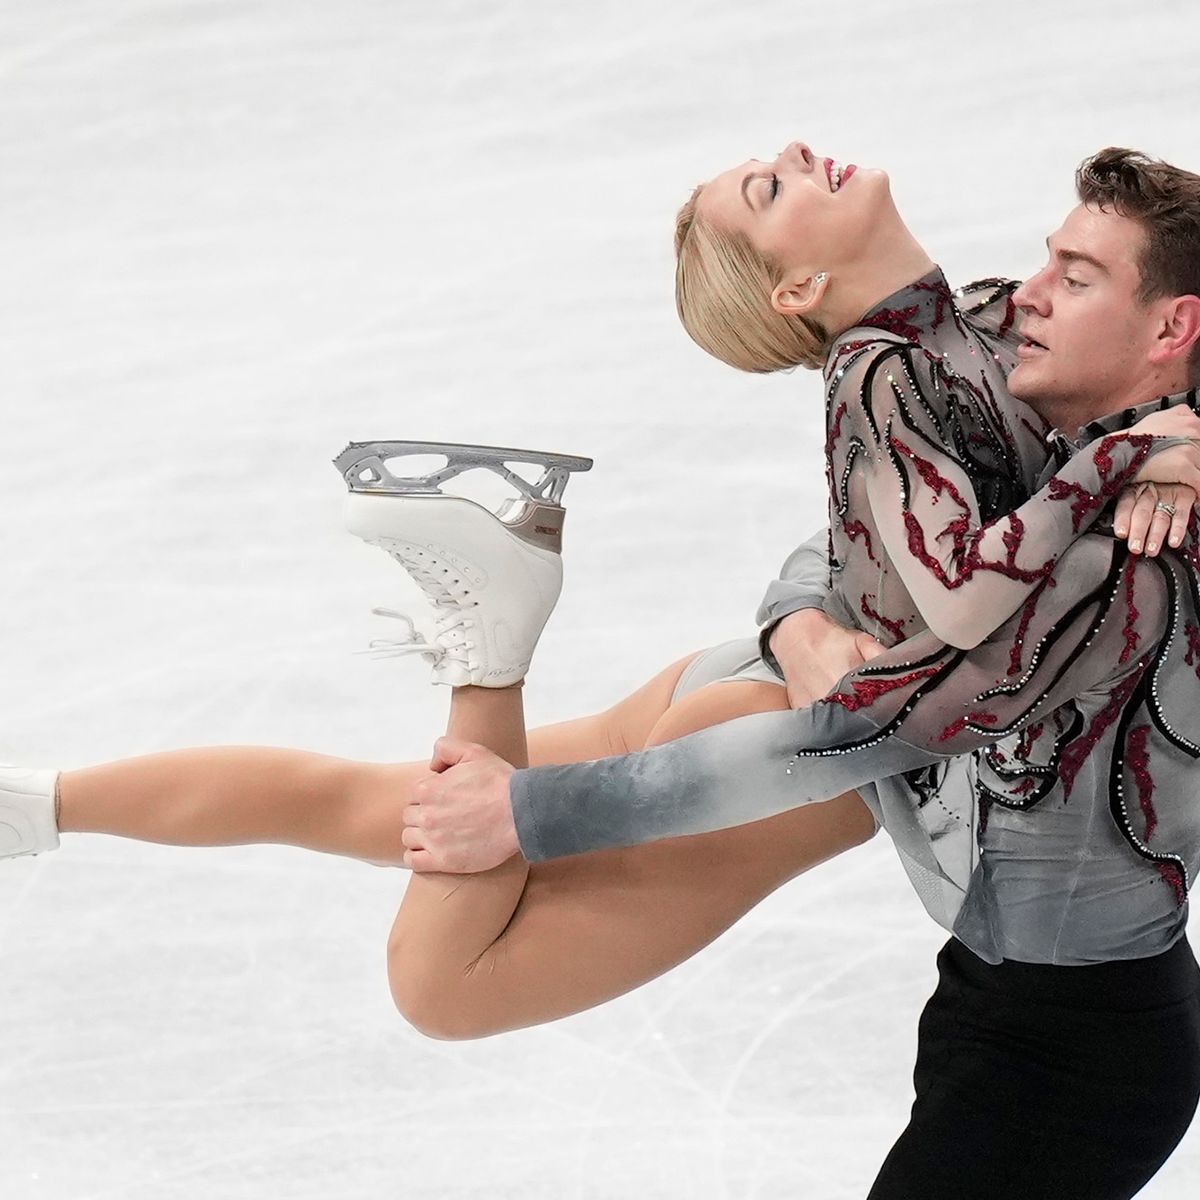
x=820, y=277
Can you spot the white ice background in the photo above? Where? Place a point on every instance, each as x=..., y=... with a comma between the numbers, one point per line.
x=236, y=235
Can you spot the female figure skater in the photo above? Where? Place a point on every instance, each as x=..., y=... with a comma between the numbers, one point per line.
x=475, y=955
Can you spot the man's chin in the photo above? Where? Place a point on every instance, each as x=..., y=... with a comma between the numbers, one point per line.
x=1023, y=381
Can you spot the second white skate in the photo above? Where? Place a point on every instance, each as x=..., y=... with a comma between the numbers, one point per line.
x=27, y=824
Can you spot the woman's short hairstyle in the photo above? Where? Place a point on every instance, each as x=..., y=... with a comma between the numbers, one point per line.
x=723, y=289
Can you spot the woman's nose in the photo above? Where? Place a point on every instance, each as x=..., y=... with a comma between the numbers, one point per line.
x=798, y=154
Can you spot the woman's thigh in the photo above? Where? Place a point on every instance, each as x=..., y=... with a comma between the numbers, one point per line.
x=623, y=727
x=632, y=723
x=591, y=927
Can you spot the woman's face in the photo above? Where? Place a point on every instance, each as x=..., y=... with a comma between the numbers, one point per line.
x=806, y=213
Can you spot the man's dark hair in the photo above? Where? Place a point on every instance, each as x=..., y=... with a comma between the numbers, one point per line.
x=1164, y=200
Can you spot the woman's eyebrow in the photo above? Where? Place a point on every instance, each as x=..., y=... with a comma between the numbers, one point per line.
x=746, y=183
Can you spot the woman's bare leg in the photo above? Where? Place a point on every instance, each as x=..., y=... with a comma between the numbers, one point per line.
x=226, y=796
x=478, y=955
x=508, y=951
x=240, y=795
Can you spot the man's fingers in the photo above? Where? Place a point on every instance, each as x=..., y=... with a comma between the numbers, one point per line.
x=412, y=839
x=412, y=815
x=449, y=753
x=419, y=860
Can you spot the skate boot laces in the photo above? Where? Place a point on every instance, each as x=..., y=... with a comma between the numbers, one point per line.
x=451, y=639
x=410, y=641
x=449, y=645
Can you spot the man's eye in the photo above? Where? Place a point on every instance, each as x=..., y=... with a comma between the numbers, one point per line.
x=1073, y=284
x=774, y=186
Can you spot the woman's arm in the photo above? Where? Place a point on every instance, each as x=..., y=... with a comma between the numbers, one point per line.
x=966, y=575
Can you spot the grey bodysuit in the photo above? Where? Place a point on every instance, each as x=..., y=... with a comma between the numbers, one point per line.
x=1037, y=783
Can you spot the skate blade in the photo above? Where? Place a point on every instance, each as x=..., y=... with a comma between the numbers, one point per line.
x=363, y=466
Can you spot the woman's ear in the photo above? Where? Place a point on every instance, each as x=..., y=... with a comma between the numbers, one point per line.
x=797, y=297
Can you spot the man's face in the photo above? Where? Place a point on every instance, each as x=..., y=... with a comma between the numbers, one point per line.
x=1088, y=336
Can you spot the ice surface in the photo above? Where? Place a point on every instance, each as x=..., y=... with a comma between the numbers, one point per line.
x=234, y=237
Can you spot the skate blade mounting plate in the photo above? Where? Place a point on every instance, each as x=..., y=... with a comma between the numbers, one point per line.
x=363, y=466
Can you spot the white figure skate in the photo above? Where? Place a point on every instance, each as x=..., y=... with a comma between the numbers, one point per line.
x=27, y=824
x=493, y=578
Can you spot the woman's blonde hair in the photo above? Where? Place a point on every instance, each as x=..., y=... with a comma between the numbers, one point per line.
x=723, y=289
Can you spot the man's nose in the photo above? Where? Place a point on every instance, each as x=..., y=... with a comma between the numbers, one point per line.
x=1031, y=294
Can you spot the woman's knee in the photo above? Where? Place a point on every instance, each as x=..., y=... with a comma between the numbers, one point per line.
x=431, y=1002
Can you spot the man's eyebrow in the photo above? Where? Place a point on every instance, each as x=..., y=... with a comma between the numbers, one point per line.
x=1072, y=256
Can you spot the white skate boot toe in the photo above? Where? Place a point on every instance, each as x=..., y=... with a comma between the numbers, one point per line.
x=493, y=578
x=27, y=824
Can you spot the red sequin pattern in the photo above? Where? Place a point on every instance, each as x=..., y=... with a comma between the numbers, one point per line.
x=1137, y=758
x=1129, y=631
x=856, y=529
x=897, y=321
x=960, y=723
x=895, y=628
x=1076, y=753
x=867, y=691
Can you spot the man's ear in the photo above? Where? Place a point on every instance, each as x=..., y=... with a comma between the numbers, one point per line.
x=1180, y=329
x=798, y=296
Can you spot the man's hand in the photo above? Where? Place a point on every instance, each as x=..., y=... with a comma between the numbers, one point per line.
x=814, y=652
x=461, y=817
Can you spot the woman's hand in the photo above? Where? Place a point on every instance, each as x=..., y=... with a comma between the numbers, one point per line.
x=1158, y=507
x=1177, y=421
x=814, y=652
x=1140, y=518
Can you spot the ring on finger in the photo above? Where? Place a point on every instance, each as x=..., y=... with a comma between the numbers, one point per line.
x=1163, y=506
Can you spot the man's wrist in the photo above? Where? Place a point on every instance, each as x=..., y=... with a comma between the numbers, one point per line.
x=802, y=618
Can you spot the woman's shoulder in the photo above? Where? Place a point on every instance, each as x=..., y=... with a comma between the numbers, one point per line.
x=988, y=305
x=860, y=351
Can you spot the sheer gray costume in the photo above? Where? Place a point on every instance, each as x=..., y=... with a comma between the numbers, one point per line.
x=1068, y=833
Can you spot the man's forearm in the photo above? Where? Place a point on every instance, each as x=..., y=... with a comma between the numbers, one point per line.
x=730, y=774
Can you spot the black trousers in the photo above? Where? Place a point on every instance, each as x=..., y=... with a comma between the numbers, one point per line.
x=1062, y=1083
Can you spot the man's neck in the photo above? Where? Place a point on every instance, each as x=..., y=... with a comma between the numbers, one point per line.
x=1072, y=414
